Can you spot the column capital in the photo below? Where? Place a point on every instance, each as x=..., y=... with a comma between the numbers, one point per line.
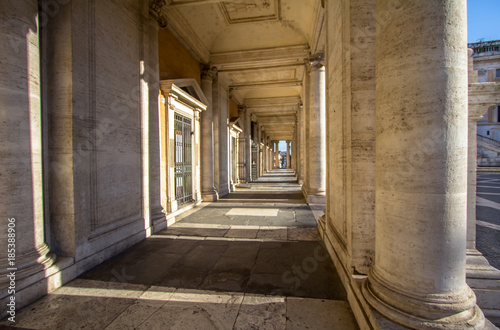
x=155, y=11
x=209, y=73
x=242, y=109
x=315, y=61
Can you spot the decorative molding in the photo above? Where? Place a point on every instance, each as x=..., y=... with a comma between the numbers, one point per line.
x=251, y=11
x=316, y=61
x=272, y=102
x=268, y=84
x=171, y=106
x=155, y=10
x=174, y=88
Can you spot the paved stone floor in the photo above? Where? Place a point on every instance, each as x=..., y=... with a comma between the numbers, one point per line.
x=253, y=260
x=488, y=217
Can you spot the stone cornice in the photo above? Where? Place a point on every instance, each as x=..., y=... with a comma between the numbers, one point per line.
x=271, y=102
x=260, y=58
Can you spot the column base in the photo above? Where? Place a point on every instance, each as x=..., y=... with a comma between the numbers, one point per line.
x=209, y=196
x=484, y=280
x=28, y=264
x=454, y=310
x=314, y=197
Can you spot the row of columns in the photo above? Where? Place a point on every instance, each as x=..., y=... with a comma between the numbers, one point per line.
x=415, y=282
x=417, y=277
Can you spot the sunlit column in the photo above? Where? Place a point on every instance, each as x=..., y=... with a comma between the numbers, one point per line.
x=418, y=278
x=288, y=154
x=316, y=134
x=248, y=144
x=21, y=186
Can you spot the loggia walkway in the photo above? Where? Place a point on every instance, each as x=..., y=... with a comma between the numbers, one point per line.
x=252, y=260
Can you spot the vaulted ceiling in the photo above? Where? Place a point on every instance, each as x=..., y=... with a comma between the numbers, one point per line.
x=259, y=46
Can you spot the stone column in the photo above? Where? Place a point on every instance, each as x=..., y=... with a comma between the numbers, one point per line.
x=316, y=139
x=208, y=191
x=264, y=153
x=288, y=154
x=21, y=187
x=418, y=278
x=248, y=144
x=303, y=142
x=269, y=154
x=255, y=134
x=157, y=214
x=259, y=150
x=275, y=155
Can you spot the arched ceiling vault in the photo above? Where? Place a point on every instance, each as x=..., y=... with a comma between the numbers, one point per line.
x=259, y=47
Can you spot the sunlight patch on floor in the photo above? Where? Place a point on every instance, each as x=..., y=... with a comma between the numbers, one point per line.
x=256, y=212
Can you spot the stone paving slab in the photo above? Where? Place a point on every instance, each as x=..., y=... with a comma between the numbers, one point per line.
x=210, y=271
x=488, y=216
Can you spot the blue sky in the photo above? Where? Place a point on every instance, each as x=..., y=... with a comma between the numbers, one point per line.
x=282, y=144
x=483, y=18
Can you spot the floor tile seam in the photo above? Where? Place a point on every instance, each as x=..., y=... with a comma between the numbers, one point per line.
x=135, y=301
x=162, y=305
x=238, y=239
x=241, y=227
x=239, y=309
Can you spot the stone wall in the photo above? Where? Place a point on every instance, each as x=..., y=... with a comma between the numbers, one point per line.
x=97, y=160
x=175, y=61
x=350, y=102
x=350, y=64
x=90, y=112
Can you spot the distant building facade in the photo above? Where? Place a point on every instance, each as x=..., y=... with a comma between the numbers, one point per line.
x=487, y=63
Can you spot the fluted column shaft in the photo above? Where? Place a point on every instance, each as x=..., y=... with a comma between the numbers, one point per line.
x=418, y=279
x=208, y=191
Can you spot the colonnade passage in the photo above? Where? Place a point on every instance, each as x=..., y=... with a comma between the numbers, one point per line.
x=252, y=260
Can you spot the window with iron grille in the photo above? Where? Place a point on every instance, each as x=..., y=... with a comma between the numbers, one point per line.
x=183, y=161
